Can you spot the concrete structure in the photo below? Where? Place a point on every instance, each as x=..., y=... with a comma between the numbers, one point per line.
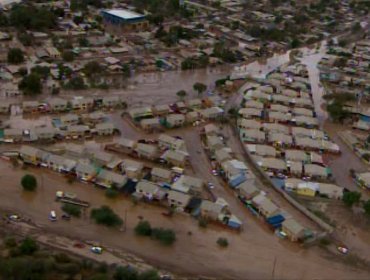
x=126, y=20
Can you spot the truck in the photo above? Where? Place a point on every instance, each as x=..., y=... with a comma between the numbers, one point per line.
x=70, y=198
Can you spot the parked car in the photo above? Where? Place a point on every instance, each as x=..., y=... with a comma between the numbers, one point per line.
x=52, y=216
x=97, y=250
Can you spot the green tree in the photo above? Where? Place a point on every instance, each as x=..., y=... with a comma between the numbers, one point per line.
x=199, y=87
x=181, y=94
x=31, y=84
x=93, y=69
x=26, y=39
x=125, y=273
x=143, y=228
x=351, y=198
x=29, y=182
x=83, y=42
x=295, y=43
x=165, y=236
x=42, y=71
x=73, y=210
x=150, y=274
x=15, y=56
x=111, y=193
x=106, y=216
x=76, y=83
x=28, y=246
x=367, y=207
x=68, y=56
x=336, y=111
x=222, y=242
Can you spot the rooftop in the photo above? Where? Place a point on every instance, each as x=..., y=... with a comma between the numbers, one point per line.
x=125, y=14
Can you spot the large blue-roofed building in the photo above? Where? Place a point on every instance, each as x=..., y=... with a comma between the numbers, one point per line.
x=126, y=19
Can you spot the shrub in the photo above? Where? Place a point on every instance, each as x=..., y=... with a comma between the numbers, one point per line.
x=150, y=274
x=351, y=198
x=111, y=193
x=202, y=222
x=143, y=228
x=106, y=216
x=165, y=236
x=71, y=209
x=15, y=56
x=125, y=273
x=10, y=242
x=28, y=246
x=29, y=182
x=62, y=258
x=222, y=242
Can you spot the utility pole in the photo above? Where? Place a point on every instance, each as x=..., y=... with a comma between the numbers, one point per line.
x=273, y=269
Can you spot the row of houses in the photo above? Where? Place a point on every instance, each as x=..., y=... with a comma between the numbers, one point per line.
x=59, y=105
x=242, y=181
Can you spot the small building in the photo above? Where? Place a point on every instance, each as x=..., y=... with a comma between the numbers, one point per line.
x=249, y=124
x=160, y=175
x=147, y=151
x=178, y=200
x=316, y=171
x=330, y=191
x=293, y=229
x=261, y=150
x=85, y=172
x=60, y=163
x=161, y=110
x=29, y=154
x=194, y=103
x=69, y=119
x=77, y=131
x=222, y=155
x=74, y=150
x=82, y=103
x=126, y=145
x=46, y=133
x=150, y=124
x=175, y=120
x=363, y=179
x=109, y=179
x=214, y=143
x=111, y=101
x=30, y=106
x=166, y=141
x=248, y=189
x=13, y=135
x=104, y=129
x=211, y=130
x=189, y=185
x=307, y=189
x=252, y=135
x=100, y=158
x=192, y=117
x=265, y=206
x=53, y=52
x=211, y=210
x=4, y=107
x=142, y=112
x=212, y=113
x=147, y=190
x=175, y=158
x=133, y=169
x=57, y=105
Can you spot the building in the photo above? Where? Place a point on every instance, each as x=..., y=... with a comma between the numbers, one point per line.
x=160, y=175
x=60, y=163
x=293, y=229
x=146, y=189
x=133, y=169
x=109, y=179
x=169, y=142
x=124, y=19
x=178, y=200
x=104, y=129
x=57, y=105
x=150, y=124
x=175, y=158
x=189, y=185
x=265, y=206
x=161, y=110
x=46, y=133
x=363, y=179
x=13, y=135
x=126, y=145
x=175, y=120
x=29, y=154
x=248, y=189
x=85, y=172
x=69, y=119
x=147, y=151
x=30, y=106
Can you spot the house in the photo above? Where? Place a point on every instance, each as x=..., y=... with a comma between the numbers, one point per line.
x=276, y=128
x=214, y=143
x=248, y=189
x=192, y=117
x=104, y=129
x=175, y=120
x=85, y=172
x=150, y=124
x=270, y=163
x=29, y=154
x=330, y=191
x=5, y=107
x=46, y=133
x=178, y=200
x=212, y=113
x=189, y=185
x=249, y=124
x=265, y=206
x=133, y=169
x=305, y=121
x=250, y=113
x=147, y=190
x=175, y=158
x=254, y=104
x=252, y=135
x=316, y=171
x=194, y=103
x=125, y=20
x=211, y=210
x=160, y=175
x=307, y=189
x=211, y=130
x=296, y=155
x=69, y=119
x=77, y=131
x=278, y=117
x=169, y=142
x=307, y=143
x=295, y=167
x=100, y=158
x=126, y=145
x=222, y=155
x=280, y=139
x=161, y=110
x=30, y=106
x=60, y=163
x=53, y=52
x=279, y=108
x=363, y=179
x=111, y=101
x=142, y=112
x=261, y=150
x=74, y=150
x=57, y=105
x=147, y=151
x=109, y=179
x=293, y=229
x=13, y=135
x=94, y=117
x=82, y=103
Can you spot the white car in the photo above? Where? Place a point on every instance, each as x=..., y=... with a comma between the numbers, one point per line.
x=211, y=186
x=52, y=216
x=97, y=250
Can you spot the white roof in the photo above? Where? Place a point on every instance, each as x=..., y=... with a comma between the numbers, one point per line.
x=125, y=14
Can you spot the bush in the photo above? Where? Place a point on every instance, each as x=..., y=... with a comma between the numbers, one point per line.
x=28, y=246
x=62, y=258
x=143, y=228
x=351, y=198
x=165, y=236
x=10, y=242
x=15, y=56
x=222, y=242
x=367, y=208
x=73, y=210
x=29, y=182
x=105, y=216
x=150, y=274
x=202, y=222
x=31, y=84
x=111, y=193
x=125, y=273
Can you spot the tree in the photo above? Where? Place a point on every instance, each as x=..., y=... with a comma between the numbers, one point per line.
x=93, y=69
x=28, y=246
x=76, y=83
x=29, y=182
x=165, y=236
x=68, y=56
x=181, y=94
x=367, y=207
x=336, y=111
x=42, y=71
x=143, y=228
x=15, y=56
x=73, y=210
x=125, y=273
x=351, y=198
x=31, y=84
x=222, y=242
x=150, y=274
x=111, y=193
x=106, y=216
x=295, y=43
x=83, y=42
x=26, y=39
x=199, y=87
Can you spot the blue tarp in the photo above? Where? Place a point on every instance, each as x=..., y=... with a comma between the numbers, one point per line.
x=275, y=221
x=236, y=181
